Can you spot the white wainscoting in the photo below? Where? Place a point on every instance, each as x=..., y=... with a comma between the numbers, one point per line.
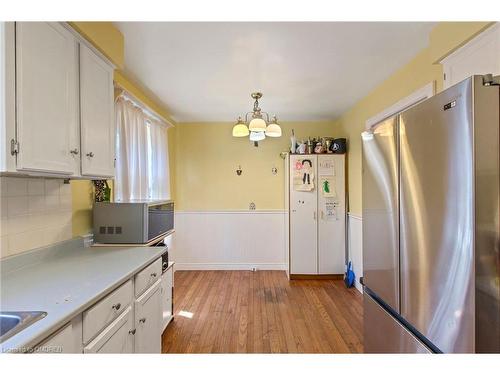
x=355, y=246
x=229, y=240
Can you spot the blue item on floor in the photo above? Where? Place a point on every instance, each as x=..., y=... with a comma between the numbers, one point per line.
x=349, y=276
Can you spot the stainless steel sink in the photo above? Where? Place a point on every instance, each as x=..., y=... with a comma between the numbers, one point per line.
x=12, y=322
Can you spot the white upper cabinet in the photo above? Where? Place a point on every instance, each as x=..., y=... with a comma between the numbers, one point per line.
x=96, y=115
x=56, y=91
x=47, y=98
x=479, y=56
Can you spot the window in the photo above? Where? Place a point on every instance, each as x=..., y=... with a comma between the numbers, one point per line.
x=141, y=154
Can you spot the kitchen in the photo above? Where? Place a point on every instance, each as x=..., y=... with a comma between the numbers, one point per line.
x=153, y=204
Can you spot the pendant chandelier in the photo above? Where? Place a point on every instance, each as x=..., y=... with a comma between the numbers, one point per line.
x=259, y=127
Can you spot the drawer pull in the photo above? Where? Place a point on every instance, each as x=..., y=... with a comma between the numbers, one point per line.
x=143, y=320
x=116, y=306
x=153, y=274
x=132, y=332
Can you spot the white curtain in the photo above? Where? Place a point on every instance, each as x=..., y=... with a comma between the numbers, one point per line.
x=160, y=173
x=141, y=154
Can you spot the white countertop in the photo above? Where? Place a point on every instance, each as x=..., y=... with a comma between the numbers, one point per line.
x=64, y=281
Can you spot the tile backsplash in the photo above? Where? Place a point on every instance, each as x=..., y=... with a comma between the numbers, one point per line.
x=34, y=212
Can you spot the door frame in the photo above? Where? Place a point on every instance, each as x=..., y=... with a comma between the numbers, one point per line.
x=415, y=97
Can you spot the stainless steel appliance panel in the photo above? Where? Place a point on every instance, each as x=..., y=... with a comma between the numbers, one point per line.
x=487, y=238
x=384, y=334
x=437, y=218
x=381, y=211
x=160, y=219
x=120, y=222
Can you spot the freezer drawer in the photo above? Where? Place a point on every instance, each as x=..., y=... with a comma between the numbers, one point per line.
x=384, y=334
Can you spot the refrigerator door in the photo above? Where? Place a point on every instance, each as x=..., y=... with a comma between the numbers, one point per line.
x=437, y=218
x=380, y=211
x=384, y=334
x=487, y=209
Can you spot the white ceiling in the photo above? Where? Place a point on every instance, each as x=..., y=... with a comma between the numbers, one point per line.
x=307, y=71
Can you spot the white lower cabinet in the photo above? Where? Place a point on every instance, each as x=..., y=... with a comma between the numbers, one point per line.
x=148, y=320
x=118, y=322
x=118, y=337
x=68, y=339
x=167, y=280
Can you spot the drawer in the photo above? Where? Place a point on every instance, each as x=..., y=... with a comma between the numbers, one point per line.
x=116, y=338
x=106, y=310
x=147, y=277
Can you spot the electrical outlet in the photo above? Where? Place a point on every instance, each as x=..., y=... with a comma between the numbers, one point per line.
x=252, y=206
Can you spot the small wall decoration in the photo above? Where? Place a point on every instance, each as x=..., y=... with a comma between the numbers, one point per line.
x=303, y=179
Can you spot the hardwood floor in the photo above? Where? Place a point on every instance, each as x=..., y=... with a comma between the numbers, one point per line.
x=262, y=312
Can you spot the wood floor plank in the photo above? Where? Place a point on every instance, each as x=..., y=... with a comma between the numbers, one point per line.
x=262, y=312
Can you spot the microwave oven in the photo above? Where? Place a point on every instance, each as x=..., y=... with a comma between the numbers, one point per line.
x=132, y=222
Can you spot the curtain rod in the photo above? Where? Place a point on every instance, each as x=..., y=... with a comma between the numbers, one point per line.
x=142, y=105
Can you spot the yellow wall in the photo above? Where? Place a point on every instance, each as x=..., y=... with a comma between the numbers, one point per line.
x=207, y=157
x=204, y=156
x=105, y=37
x=422, y=69
x=109, y=40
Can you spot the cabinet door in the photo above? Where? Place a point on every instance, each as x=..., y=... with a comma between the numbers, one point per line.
x=148, y=318
x=303, y=216
x=96, y=115
x=47, y=98
x=66, y=340
x=331, y=208
x=166, y=297
x=118, y=337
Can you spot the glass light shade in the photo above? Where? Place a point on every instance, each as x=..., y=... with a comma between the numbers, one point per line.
x=257, y=136
x=240, y=130
x=273, y=130
x=257, y=125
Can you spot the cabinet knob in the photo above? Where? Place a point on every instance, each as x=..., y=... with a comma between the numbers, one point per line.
x=90, y=154
x=74, y=151
x=153, y=274
x=116, y=306
x=132, y=332
x=143, y=320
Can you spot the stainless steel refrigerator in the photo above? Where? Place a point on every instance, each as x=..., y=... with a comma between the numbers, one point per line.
x=431, y=256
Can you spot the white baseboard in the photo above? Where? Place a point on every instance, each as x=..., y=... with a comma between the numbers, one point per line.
x=230, y=266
